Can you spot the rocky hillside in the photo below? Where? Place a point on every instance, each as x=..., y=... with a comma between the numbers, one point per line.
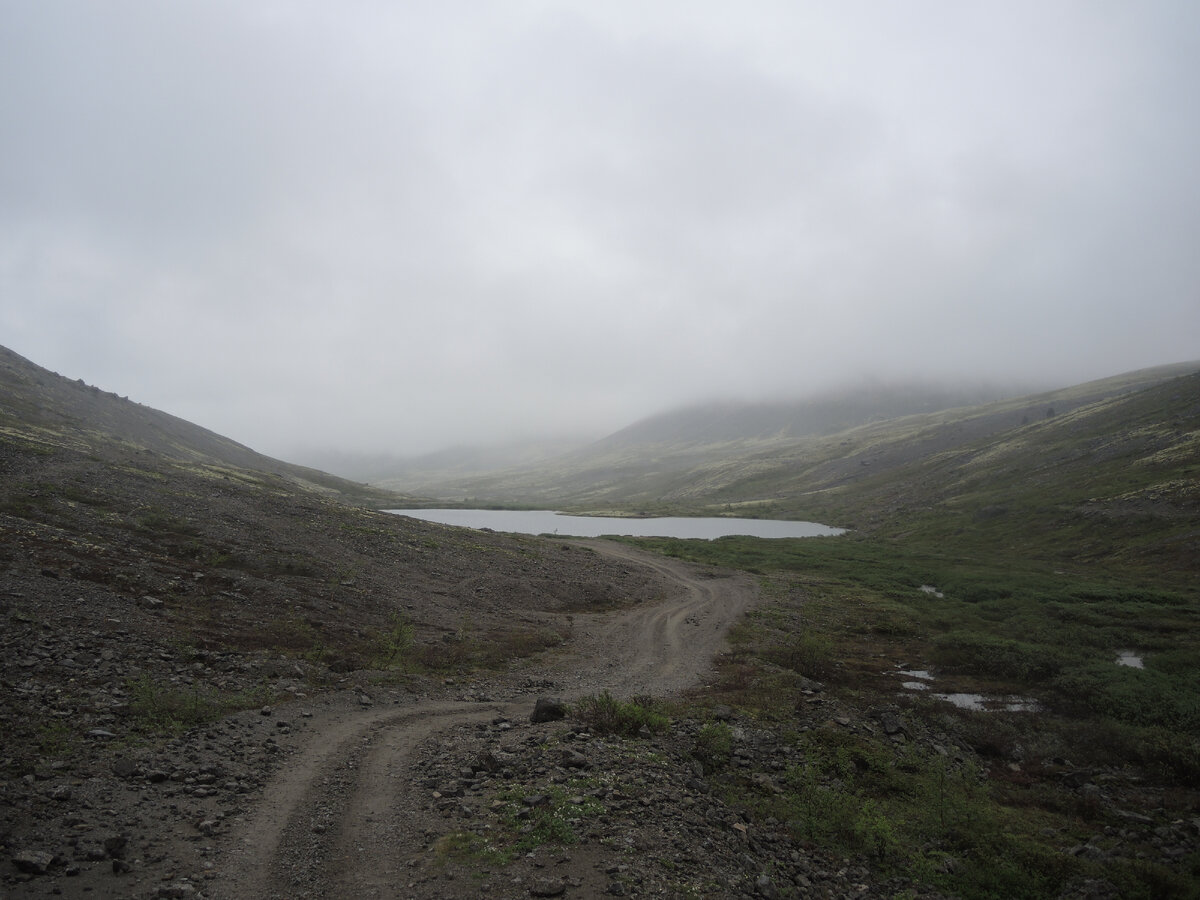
x=156, y=576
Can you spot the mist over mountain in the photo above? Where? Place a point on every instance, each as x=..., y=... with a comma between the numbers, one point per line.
x=752, y=452
x=823, y=413
x=704, y=423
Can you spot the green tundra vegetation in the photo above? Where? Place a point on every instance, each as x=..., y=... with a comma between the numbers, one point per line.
x=1019, y=566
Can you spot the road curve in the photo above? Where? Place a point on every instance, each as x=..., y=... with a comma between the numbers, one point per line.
x=332, y=823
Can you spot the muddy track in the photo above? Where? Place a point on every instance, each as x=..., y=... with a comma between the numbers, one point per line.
x=342, y=818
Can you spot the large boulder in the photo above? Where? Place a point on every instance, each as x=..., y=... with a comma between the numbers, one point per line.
x=548, y=709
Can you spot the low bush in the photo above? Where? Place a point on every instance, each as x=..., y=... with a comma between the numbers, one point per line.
x=604, y=714
x=809, y=654
x=713, y=746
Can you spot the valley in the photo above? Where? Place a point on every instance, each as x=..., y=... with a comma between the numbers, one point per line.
x=227, y=676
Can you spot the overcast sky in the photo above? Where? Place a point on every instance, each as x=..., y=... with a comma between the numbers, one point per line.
x=396, y=226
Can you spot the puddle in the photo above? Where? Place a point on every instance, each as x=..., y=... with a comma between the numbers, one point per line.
x=979, y=702
x=930, y=589
x=921, y=674
x=1129, y=658
x=984, y=703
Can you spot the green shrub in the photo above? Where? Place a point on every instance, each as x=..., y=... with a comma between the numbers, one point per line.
x=714, y=745
x=604, y=714
x=809, y=654
x=393, y=644
x=984, y=655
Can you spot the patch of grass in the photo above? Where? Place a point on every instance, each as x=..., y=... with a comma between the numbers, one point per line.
x=1004, y=626
x=158, y=709
x=157, y=522
x=55, y=739
x=809, y=653
x=393, y=642
x=604, y=714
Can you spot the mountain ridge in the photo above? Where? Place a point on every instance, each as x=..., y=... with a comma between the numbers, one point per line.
x=31, y=395
x=671, y=459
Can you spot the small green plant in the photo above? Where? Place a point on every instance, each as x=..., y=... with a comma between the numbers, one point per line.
x=714, y=745
x=393, y=644
x=552, y=820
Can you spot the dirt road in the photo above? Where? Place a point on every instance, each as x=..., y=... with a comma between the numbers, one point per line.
x=343, y=818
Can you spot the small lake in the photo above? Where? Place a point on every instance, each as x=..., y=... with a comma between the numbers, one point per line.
x=545, y=521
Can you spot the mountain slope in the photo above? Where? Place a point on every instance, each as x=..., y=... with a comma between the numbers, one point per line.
x=47, y=408
x=761, y=457
x=1107, y=472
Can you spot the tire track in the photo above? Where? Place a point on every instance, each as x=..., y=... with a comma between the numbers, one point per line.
x=333, y=823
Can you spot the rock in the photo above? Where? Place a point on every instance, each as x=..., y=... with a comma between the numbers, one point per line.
x=722, y=713
x=32, y=862
x=487, y=761
x=114, y=846
x=547, y=887
x=573, y=759
x=91, y=852
x=177, y=889
x=616, y=888
x=891, y=724
x=124, y=767
x=208, y=827
x=548, y=709
x=764, y=886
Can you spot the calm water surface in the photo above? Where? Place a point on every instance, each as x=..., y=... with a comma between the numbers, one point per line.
x=545, y=521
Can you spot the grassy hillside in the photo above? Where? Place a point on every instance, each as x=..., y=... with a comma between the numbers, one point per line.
x=1115, y=481
x=42, y=408
x=1018, y=556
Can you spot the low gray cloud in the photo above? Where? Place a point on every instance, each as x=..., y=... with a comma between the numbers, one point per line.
x=394, y=227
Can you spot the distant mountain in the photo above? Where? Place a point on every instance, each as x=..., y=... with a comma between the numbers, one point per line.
x=413, y=472
x=1105, y=470
x=41, y=401
x=677, y=457
x=825, y=413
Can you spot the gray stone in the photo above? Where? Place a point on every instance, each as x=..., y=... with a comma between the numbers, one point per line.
x=114, y=845
x=548, y=709
x=32, y=862
x=572, y=759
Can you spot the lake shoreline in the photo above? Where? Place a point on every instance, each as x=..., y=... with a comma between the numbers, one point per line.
x=551, y=522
